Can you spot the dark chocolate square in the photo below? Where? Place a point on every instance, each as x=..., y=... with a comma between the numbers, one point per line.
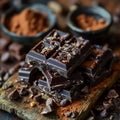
x=41, y=52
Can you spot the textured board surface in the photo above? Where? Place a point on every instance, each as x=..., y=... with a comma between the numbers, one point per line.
x=83, y=106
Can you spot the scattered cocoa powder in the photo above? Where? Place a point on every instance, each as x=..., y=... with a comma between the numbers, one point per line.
x=89, y=23
x=27, y=23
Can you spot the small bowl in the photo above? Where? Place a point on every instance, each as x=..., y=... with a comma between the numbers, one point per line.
x=95, y=11
x=28, y=40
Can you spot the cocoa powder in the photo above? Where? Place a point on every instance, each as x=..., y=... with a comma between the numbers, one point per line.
x=90, y=23
x=27, y=23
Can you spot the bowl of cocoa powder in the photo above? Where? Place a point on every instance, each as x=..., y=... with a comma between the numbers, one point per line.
x=28, y=24
x=91, y=22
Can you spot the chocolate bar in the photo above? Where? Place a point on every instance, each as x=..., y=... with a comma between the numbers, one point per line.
x=97, y=63
x=65, y=60
x=60, y=53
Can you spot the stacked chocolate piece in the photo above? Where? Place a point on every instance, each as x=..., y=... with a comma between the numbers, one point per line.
x=63, y=64
x=97, y=65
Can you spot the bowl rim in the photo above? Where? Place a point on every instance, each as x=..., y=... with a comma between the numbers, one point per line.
x=77, y=29
x=6, y=31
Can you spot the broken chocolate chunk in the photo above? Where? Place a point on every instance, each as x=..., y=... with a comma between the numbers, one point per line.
x=33, y=91
x=23, y=92
x=14, y=95
x=64, y=102
x=55, y=81
x=50, y=102
x=50, y=106
x=70, y=93
x=48, y=109
x=74, y=114
x=38, y=98
x=68, y=114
